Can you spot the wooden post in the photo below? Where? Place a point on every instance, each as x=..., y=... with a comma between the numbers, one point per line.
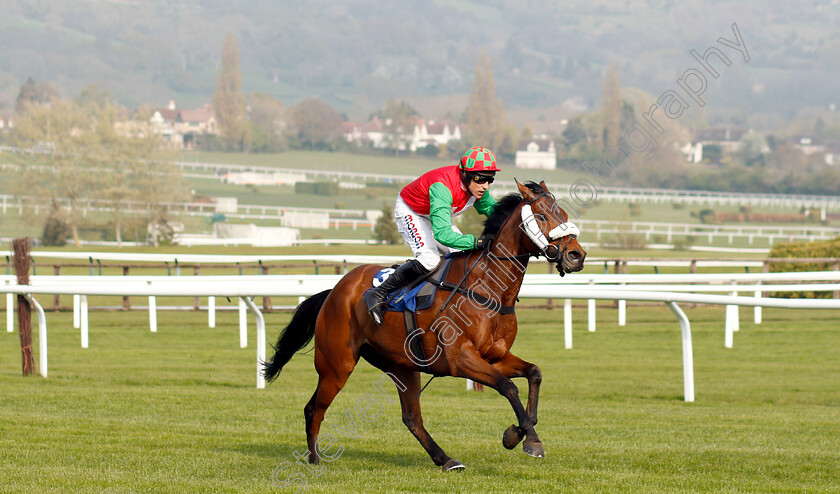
x=266, y=300
x=549, y=302
x=197, y=300
x=692, y=268
x=126, y=300
x=22, y=261
x=617, y=271
x=835, y=267
x=57, y=298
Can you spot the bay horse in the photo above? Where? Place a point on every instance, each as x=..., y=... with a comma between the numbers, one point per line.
x=470, y=340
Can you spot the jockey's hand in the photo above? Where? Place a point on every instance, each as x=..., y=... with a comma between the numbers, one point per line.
x=482, y=241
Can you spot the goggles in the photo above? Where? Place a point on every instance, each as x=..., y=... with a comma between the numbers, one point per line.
x=482, y=179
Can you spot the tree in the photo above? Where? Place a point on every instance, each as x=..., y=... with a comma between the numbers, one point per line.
x=55, y=228
x=228, y=102
x=32, y=93
x=385, y=229
x=527, y=133
x=574, y=133
x=265, y=116
x=612, y=107
x=80, y=156
x=62, y=168
x=93, y=95
x=315, y=124
x=399, y=118
x=485, y=114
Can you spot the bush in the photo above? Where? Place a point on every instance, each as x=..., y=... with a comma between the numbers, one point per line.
x=823, y=248
x=385, y=229
x=707, y=216
x=56, y=230
x=430, y=150
x=317, y=188
x=684, y=243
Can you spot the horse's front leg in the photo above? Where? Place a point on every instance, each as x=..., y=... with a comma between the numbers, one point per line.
x=512, y=366
x=472, y=366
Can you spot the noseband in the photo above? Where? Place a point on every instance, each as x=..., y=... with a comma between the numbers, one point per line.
x=567, y=229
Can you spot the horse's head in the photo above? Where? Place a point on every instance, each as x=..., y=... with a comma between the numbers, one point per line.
x=547, y=227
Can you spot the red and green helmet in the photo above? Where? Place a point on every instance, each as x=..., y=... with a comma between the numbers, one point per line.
x=478, y=159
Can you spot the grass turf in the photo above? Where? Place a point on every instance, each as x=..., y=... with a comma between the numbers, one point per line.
x=177, y=411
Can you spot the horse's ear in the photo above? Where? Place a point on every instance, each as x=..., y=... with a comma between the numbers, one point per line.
x=543, y=185
x=525, y=191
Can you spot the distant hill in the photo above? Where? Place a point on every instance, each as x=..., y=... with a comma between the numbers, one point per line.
x=358, y=53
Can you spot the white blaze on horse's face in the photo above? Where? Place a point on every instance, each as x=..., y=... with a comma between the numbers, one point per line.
x=532, y=229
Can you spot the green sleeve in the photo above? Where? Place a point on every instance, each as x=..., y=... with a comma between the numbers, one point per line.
x=486, y=204
x=440, y=213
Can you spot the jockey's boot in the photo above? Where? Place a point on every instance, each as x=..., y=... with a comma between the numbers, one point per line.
x=403, y=275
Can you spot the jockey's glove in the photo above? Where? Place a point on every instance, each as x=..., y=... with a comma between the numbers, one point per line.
x=482, y=241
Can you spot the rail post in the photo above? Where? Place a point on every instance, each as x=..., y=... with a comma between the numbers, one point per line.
x=126, y=299
x=20, y=246
x=196, y=300
x=57, y=298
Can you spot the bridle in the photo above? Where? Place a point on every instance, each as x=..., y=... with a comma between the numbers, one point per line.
x=530, y=225
x=565, y=230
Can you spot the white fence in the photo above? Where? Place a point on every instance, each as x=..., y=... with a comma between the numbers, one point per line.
x=666, y=288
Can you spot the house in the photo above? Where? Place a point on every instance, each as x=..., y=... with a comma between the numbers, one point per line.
x=365, y=134
x=727, y=138
x=808, y=145
x=180, y=127
x=163, y=122
x=832, y=154
x=374, y=133
x=692, y=151
x=7, y=122
x=431, y=133
x=536, y=153
x=193, y=123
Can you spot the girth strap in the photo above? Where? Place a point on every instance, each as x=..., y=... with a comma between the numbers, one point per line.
x=415, y=344
x=481, y=299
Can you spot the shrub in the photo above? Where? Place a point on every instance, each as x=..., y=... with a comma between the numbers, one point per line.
x=823, y=248
x=56, y=230
x=317, y=188
x=385, y=229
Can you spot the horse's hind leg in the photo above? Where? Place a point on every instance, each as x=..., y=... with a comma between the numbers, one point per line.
x=512, y=366
x=408, y=386
x=334, y=364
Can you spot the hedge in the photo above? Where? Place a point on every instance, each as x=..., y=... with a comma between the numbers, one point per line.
x=822, y=248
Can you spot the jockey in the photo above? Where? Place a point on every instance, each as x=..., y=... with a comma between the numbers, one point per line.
x=424, y=212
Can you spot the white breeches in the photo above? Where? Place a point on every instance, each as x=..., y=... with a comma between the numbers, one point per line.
x=417, y=233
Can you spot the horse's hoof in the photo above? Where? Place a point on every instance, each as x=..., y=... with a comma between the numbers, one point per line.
x=453, y=464
x=512, y=436
x=534, y=449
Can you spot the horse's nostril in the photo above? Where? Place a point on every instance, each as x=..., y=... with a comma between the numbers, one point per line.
x=574, y=256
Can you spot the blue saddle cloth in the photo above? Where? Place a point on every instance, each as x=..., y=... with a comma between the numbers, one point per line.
x=418, y=298
x=407, y=300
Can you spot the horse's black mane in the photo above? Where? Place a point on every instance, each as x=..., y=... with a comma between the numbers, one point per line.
x=504, y=208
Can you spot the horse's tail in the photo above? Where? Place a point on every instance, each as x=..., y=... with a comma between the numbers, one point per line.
x=296, y=335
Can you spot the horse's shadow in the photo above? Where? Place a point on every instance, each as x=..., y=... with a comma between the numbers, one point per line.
x=285, y=451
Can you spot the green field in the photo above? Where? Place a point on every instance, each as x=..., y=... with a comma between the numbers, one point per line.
x=12, y=224
x=177, y=411
x=368, y=163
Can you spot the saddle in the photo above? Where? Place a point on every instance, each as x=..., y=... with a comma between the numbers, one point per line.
x=421, y=294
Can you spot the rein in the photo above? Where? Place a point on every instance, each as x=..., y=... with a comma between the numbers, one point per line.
x=457, y=287
x=544, y=252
